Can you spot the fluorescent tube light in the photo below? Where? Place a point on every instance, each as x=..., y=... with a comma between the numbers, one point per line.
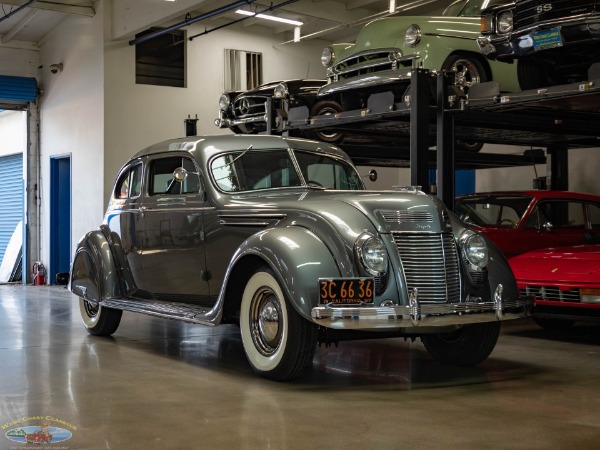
x=267, y=17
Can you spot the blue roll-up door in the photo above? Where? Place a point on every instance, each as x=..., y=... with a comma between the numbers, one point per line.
x=17, y=92
x=11, y=200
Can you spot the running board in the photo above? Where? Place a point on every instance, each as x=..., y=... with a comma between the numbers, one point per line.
x=170, y=310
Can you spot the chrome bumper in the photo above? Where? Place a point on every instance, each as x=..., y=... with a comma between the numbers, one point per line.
x=223, y=122
x=416, y=314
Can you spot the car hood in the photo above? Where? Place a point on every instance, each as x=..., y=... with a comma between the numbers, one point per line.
x=390, y=31
x=353, y=212
x=563, y=264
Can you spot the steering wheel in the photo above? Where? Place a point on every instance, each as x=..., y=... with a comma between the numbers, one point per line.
x=508, y=221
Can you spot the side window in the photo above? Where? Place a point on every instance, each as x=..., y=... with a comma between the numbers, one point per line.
x=561, y=214
x=130, y=183
x=162, y=181
x=594, y=211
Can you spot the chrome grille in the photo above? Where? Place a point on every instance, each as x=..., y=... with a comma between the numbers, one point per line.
x=527, y=15
x=249, y=106
x=405, y=215
x=552, y=293
x=430, y=263
x=371, y=61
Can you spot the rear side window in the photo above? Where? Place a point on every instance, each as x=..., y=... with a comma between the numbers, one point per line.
x=130, y=183
x=560, y=213
x=162, y=181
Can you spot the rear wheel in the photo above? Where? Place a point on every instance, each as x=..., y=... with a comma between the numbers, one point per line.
x=278, y=342
x=99, y=321
x=326, y=108
x=465, y=347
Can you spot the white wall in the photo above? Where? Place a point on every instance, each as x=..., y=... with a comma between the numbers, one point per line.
x=140, y=115
x=72, y=120
x=13, y=129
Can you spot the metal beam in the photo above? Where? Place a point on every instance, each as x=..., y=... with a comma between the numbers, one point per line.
x=19, y=25
x=56, y=7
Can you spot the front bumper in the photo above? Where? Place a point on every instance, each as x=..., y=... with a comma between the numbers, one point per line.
x=416, y=314
x=225, y=122
x=510, y=46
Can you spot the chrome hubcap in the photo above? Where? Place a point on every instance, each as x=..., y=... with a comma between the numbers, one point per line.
x=466, y=74
x=91, y=309
x=266, y=321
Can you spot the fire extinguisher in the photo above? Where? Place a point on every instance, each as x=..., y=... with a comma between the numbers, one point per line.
x=39, y=274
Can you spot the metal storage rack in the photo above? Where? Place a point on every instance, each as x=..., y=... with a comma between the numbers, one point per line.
x=431, y=113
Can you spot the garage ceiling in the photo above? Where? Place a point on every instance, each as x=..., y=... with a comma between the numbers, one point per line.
x=332, y=20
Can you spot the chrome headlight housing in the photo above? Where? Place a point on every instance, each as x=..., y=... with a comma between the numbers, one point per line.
x=413, y=35
x=280, y=91
x=504, y=23
x=371, y=254
x=224, y=102
x=327, y=57
x=475, y=249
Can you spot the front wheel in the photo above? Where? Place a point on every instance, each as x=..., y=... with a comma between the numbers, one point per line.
x=278, y=342
x=465, y=347
x=99, y=321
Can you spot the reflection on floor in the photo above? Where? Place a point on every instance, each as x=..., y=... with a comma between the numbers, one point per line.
x=159, y=384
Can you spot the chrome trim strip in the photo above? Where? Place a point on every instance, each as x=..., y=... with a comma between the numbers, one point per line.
x=170, y=310
x=367, y=80
x=418, y=314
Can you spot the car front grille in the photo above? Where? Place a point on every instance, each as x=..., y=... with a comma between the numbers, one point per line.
x=430, y=263
x=406, y=216
x=249, y=106
x=529, y=13
x=552, y=293
x=367, y=62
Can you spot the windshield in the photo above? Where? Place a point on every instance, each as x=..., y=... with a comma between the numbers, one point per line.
x=468, y=8
x=255, y=170
x=503, y=211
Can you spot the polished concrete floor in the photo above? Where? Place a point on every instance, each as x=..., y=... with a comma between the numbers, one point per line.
x=159, y=384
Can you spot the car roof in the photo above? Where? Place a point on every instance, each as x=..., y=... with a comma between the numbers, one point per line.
x=537, y=194
x=207, y=146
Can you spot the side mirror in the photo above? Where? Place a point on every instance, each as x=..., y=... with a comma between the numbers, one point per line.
x=372, y=175
x=547, y=226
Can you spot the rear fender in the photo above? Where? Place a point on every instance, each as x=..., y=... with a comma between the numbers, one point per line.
x=94, y=274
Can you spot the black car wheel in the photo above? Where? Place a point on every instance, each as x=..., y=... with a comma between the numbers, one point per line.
x=99, y=321
x=279, y=344
x=326, y=108
x=465, y=347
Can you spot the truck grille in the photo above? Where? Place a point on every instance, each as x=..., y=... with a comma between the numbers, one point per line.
x=552, y=293
x=371, y=61
x=527, y=15
x=430, y=263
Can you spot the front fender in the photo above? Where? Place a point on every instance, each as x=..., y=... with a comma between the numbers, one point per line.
x=501, y=273
x=297, y=256
x=94, y=271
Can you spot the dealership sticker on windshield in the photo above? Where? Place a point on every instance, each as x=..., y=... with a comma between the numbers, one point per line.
x=546, y=39
x=346, y=291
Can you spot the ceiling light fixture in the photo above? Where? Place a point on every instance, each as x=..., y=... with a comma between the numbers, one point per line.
x=392, y=6
x=267, y=17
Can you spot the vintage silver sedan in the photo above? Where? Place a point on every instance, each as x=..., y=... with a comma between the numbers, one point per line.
x=280, y=236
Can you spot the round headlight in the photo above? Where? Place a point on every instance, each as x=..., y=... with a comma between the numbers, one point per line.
x=475, y=249
x=224, y=102
x=412, y=36
x=372, y=254
x=280, y=91
x=505, y=22
x=327, y=56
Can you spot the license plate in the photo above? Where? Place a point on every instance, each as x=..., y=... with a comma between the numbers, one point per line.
x=546, y=39
x=346, y=291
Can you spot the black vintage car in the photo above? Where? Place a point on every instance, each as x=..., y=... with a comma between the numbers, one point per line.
x=555, y=42
x=246, y=112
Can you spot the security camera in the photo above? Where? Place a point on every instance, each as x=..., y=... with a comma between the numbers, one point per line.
x=55, y=68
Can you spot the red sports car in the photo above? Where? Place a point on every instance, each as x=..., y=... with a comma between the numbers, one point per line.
x=521, y=221
x=564, y=281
